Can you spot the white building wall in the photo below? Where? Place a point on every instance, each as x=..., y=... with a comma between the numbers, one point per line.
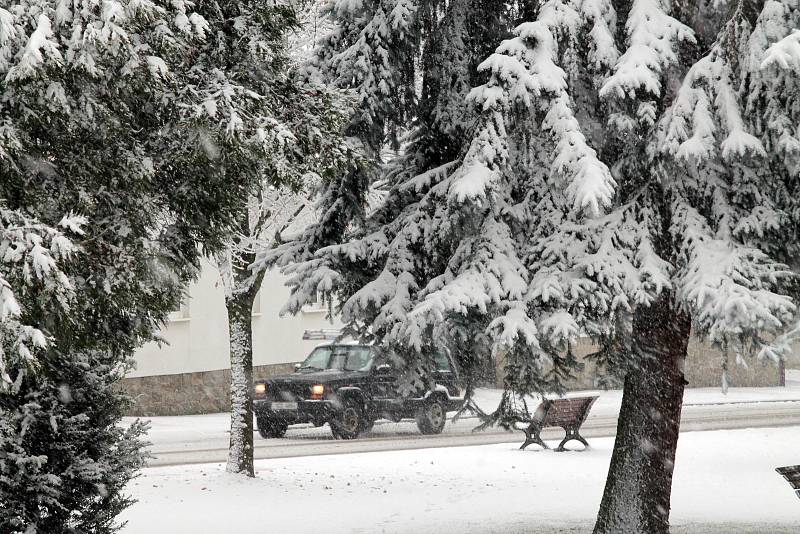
x=197, y=337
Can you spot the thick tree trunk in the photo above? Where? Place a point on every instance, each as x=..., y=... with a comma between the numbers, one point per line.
x=637, y=493
x=240, y=453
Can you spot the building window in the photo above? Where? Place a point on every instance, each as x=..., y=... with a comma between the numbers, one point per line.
x=318, y=305
x=182, y=313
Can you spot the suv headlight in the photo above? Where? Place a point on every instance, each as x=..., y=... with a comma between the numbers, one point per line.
x=317, y=391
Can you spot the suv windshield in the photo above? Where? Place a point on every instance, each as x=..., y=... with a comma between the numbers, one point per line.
x=341, y=357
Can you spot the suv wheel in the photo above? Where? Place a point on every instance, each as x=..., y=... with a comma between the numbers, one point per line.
x=349, y=423
x=367, y=424
x=432, y=417
x=270, y=428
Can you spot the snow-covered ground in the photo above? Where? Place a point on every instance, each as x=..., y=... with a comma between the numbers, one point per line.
x=725, y=482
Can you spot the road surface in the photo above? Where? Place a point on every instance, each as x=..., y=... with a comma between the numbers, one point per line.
x=202, y=439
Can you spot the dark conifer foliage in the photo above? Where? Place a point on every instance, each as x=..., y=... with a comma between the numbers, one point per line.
x=149, y=120
x=623, y=171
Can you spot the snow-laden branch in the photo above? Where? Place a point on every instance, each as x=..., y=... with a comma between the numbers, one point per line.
x=784, y=53
x=524, y=73
x=31, y=258
x=653, y=37
x=706, y=109
x=728, y=287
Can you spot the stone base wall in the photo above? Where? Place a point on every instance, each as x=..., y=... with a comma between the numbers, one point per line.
x=703, y=369
x=188, y=393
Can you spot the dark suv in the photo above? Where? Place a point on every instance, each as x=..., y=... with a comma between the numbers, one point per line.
x=350, y=387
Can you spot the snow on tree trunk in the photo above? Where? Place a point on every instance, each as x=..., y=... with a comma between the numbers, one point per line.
x=639, y=483
x=240, y=453
x=241, y=289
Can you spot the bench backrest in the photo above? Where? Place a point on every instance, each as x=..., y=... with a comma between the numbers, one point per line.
x=570, y=412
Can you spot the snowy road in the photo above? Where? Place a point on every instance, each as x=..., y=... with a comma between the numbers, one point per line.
x=204, y=439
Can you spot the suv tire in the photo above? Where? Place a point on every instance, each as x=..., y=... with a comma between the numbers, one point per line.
x=270, y=428
x=432, y=416
x=350, y=422
x=367, y=424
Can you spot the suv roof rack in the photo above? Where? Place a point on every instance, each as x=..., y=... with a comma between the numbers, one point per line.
x=322, y=334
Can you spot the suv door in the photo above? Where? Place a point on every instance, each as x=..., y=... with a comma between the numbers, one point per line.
x=383, y=379
x=444, y=374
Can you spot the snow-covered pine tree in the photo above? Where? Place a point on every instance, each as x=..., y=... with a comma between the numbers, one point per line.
x=444, y=41
x=717, y=176
x=123, y=112
x=621, y=182
x=307, y=148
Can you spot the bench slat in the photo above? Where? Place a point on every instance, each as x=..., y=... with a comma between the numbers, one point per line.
x=788, y=471
x=568, y=412
x=792, y=475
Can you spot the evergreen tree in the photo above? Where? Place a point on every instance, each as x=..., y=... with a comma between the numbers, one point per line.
x=630, y=175
x=31, y=276
x=136, y=116
x=367, y=45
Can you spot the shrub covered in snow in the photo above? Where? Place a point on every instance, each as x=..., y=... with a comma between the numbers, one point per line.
x=142, y=117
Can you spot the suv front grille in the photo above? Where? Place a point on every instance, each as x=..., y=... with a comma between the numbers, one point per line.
x=288, y=392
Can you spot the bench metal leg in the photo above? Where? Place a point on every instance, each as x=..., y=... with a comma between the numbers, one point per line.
x=532, y=436
x=571, y=434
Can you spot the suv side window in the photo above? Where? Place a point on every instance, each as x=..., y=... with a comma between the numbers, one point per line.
x=442, y=362
x=358, y=359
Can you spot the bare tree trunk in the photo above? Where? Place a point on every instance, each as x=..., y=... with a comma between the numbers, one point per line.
x=240, y=311
x=240, y=453
x=639, y=483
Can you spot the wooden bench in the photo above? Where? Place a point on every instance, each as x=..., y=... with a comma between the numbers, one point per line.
x=792, y=474
x=568, y=414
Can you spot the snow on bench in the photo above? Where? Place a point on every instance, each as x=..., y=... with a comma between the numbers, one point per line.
x=568, y=414
x=792, y=474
